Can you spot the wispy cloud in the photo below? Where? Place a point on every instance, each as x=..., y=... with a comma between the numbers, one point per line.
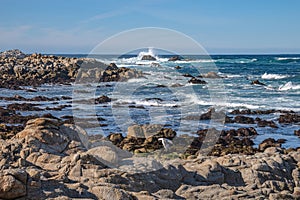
x=106, y=15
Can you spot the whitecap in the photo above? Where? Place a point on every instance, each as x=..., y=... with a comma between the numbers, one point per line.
x=287, y=58
x=289, y=86
x=273, y=76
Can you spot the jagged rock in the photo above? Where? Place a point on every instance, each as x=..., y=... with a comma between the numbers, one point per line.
x=196, y=81
x=16, y=53
x=257, y=82
x=142, y=138
x=174, y=58
x=108, y=193
x=264, y=123
x=50, y=160
x=270, y=142
x=36, y=69
x=102, y=99
x=148, y=57
x=289, y=118
x=13, y=183
x=244, y=120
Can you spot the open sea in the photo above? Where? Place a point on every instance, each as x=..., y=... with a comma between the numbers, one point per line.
x=164, y=96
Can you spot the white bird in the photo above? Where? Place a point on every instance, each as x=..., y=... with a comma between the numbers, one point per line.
x=166, y=143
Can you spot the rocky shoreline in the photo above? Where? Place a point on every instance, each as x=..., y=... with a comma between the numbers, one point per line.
x=18, y=69
x=48, y=157
x=47, y=160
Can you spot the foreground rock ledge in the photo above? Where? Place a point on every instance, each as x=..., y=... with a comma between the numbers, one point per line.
x=48, y=160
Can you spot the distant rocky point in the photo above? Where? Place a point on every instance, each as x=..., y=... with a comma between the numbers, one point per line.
x=18, y=69
x=16, y=53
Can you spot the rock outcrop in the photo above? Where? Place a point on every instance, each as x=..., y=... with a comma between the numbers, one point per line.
x=174, y=58
x=18, y=69
x=148, y=57
x=196, y=81
x=50, y=160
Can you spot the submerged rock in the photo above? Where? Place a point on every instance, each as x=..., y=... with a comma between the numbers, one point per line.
x=196, y=81
x=174, y=58
x=211, y=75
x=102, y=99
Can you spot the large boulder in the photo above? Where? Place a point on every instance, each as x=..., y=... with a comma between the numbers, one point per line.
x=12, y=183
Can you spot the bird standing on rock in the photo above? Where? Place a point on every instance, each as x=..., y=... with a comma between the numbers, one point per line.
x=166, y=143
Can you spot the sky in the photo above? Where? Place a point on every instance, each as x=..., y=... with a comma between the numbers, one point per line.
x=220, y=26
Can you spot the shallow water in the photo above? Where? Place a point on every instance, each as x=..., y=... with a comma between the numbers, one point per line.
x=155, y=99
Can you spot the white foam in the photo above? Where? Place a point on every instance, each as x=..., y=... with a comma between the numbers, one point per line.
x=194, y=61
x=231, y=75
x=289, y=86
x=239, y=60
x=145, y=103
x=287, y=58
x=273, y=76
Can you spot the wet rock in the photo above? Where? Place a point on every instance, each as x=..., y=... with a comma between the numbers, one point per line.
x=257, y=82
x=153, y=99
x=177, y=85
x=297, y=132
x=259, y=112
x=264, y=123
x=244, y=120
x=211, y=75
x=24, y=107
x=270, y=142
x=112, y=66
x=8, y=131
x=174, y=58
x=188, y=75
x=241, y=132
x=178, y=67
x=148, y=57
x=213, y=114
x=142, y=138
x=102, y=99
x=224, y=142
x=196, y=81
x=11, y=117
x=289, y=118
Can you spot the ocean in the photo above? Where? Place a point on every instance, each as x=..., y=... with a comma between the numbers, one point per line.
x=165, y=96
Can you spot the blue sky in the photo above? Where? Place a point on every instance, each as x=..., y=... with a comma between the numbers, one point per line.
x=220, y=26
